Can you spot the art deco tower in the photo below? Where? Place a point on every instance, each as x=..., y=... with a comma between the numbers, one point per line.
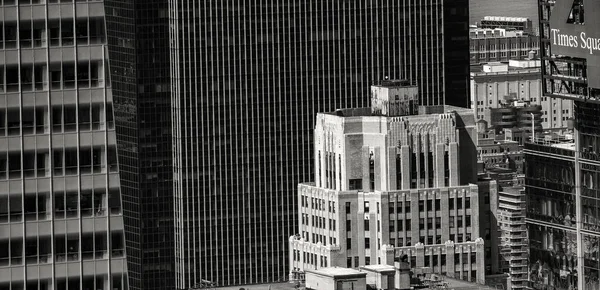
x=248, y=79
x=61, y=224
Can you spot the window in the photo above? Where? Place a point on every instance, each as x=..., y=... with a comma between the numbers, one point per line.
x=366, y=206
x=429, y=205
x=451, y=222
x=467, y=202
x=355, y=184
x=468, y=221
x=349, y=262
x=451, y=203
x=408, y=227
x=366, y=222
x=347, y=207
x=372, y=172
x=421, y=205
x=348, y=243
x=421, y=224
x=437, y=204
x=367, y=261
x=348, y=225
x=438, y=222
x=391, y=208
x=429, y=223
x=459, y=203
x=459, y=221
x=400, y=227
x=367, y=243
x=399, y=207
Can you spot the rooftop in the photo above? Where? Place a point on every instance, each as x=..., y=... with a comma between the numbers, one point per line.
x=336, y=272
x=379, y=268
x=423, y=110
x=512, y=67
x=505, y=18
x=272, y=286
x=393, y=83
x=556, y=140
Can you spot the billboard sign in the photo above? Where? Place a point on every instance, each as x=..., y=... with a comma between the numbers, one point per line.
x=577, y=40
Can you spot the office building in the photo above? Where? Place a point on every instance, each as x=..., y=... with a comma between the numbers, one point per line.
x=392, y=184
x=494, y=85
x=61, y=223
x=138, y=48
x=551, y=211
x=563, y=205
x=500, y=45
x=247, y=83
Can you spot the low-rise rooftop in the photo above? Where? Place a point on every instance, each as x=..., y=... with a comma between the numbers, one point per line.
x=379, y=268
x=336, y=272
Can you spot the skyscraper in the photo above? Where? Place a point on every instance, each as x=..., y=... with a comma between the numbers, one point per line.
x=138, y=46
x=390, y=182
x=248, y=80
x=564, y=204
x=61, y=224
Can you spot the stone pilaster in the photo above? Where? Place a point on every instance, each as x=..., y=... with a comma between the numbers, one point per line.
x=450, y=248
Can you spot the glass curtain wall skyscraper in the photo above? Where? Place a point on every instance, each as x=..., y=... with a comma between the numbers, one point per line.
x=248, y=78
x=564, y=214
x=61, y=224
x=138, y=45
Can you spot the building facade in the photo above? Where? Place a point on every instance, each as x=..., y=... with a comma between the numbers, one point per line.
x=570, y=71
x=493, y=45
x=247, y=82
x=513, y=242
x=61, y=219
x=551, y=212
x=395, y=183
x=138, y=46
x=495, y=84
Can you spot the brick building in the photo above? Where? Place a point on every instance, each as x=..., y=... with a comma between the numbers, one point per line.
x=499, y=44
x=493, y=85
